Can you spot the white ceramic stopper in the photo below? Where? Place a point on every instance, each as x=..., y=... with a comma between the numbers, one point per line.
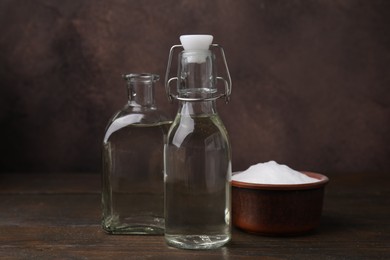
x=196, y=41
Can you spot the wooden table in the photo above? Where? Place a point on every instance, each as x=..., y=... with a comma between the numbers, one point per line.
x=57, y=216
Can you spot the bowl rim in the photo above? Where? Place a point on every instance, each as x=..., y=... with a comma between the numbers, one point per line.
x=323, y=180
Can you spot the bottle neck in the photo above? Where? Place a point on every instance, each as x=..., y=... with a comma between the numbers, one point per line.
x=141, y=96
x=196, y=75
x=140, y=90
x=197, y=81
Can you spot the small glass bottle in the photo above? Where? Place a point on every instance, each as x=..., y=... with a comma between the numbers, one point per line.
x=197, y=154
x=133, y=186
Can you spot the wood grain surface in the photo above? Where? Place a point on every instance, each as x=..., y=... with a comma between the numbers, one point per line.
x=57, y=216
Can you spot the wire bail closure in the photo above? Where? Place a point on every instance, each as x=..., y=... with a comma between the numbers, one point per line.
x=227, y=83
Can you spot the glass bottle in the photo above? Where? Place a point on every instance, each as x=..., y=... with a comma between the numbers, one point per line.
x=197, y=155
x=133, y=185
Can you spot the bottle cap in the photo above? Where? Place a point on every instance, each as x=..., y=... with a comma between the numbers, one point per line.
x=196, y=42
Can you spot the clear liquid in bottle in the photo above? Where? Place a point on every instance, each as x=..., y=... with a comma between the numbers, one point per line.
x=197, y=186
x=135, y=201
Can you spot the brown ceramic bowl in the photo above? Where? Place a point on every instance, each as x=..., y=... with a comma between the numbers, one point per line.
x=278, y=209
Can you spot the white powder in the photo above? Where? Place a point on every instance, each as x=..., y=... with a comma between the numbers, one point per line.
x=272, y=173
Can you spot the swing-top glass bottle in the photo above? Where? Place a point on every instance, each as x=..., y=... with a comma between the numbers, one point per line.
x=197, y=154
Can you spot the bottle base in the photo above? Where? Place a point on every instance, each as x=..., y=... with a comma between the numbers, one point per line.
x=197, y=241
x=139, y=225
x=134, y=230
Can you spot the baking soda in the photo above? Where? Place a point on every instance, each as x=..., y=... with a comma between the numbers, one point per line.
x=272, y=173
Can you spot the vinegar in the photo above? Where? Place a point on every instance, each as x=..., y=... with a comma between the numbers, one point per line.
x=197, y=183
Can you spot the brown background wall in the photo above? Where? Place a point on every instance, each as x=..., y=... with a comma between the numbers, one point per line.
x=310, y=78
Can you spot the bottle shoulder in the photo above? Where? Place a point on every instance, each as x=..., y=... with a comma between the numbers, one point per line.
x=139, y=115
x=129, y=116
x=199, y=129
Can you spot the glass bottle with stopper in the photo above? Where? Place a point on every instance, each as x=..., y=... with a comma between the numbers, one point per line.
x=197, y=155
x=133, y=186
